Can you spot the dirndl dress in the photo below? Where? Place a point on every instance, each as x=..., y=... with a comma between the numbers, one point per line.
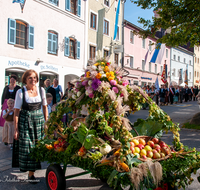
x=31, y=129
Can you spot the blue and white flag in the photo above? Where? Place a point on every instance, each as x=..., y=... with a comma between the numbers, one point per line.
x=116, y=20
x=18, y=1
x=158, y=53
x=157, y=84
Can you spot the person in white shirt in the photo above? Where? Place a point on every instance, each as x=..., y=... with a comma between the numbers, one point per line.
x=29, y=123
x=8, y=129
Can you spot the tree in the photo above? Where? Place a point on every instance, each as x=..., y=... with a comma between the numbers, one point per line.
x=180, y=19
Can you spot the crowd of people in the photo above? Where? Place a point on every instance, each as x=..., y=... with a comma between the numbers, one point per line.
x=173, y=94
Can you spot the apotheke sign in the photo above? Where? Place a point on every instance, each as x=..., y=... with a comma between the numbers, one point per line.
x=18, y=63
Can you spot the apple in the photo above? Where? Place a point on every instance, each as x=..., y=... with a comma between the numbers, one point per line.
x=142, y=141
x=144, y=157
x=136, y=142
x=137, y=150
x=165, y=150
x=137, y=155
x=155, y=140
x=147, y=147
x=132, y=149
x=162, y=144
x=132, y=144
x=162, y=155
x=154, y=151
x=149, y=154
x=141, y=146
x=150, y=143
x=143, y=152
x=156, y=155
x=156, y=146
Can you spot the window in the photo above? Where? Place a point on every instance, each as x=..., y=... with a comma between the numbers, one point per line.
x=155, y=68
x=73, y=6
x=20, y=34
x=149, y=66
x=93, y=21
x=195, y=59
x=116, y=58
x=72, y=48
x=184, y=60
x=106, y=27
x=166, y=53
x=161, y=69
x=150, y=46
x=198, y=60
x=143, y=43
x=129, y=82
x=195, y=73
x=105, y=53
x=106, y=2
x=190, y=62
x=135, y=82
x=131, y=37
x=52, y=42
x=174, y=72
x=178, y=58
x=143, y=65
x=92, y=52
x=55, y=2
x=189, y=75
x=131, y=62
x=174, y=57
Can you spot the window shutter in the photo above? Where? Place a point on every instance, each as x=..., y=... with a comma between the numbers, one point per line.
x=78, y=50
x=11, y=31
x=79, y=8
x=67, y=5
x=54, y=44
x=31, y=37
x=49, y=42
x=66, y=46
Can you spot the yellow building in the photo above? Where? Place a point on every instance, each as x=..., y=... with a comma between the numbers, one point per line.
x=197, y=66
x=101, y=24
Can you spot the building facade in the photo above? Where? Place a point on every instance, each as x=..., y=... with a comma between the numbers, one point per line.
x=196, y=66
x=137, y=56
x=49, y=36
x=182, y=63
x=101, y=24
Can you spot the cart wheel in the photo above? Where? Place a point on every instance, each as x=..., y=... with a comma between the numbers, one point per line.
x=55, y=178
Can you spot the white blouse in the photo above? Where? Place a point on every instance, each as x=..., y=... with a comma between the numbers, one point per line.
x=4, y=112
x=19, y=95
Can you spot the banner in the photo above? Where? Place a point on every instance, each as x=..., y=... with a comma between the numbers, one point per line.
x=157, y=84
x=164, y=74
x=116, y=20
x=158, y=53
x=186, y=75
x=180, y=76
x=18, y=1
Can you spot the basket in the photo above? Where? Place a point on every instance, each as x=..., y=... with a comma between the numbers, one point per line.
x=147, y=138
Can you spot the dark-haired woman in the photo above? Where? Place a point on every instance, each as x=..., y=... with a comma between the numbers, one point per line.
x=29, y=123
x=8, y=92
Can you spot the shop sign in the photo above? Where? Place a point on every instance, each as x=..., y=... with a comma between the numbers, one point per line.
x=48, y=67
x=118, y=48
x=146, y=78
x=18, y=63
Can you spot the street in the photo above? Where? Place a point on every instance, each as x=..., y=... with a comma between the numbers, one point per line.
x=179, y=113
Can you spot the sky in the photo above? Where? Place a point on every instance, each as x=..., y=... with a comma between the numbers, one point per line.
x=132, y=12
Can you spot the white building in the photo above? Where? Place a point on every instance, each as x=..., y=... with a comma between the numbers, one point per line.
x=50, y=36
x=181, y=59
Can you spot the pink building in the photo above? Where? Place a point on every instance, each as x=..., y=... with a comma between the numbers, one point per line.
x=137, y=56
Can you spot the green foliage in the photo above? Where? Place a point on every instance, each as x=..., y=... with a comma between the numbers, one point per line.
x=191, y=126
x=181, y=18
x=146, y=128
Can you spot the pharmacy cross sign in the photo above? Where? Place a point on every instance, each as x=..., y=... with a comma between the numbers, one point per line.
x=22, y=3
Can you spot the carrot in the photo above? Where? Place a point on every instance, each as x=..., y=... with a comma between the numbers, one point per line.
x=117, y=152
x=124, y=166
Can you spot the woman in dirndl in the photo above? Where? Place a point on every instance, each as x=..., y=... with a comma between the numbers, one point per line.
x=29, y=123
x=8, y=92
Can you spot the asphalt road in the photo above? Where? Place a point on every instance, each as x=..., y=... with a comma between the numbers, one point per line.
x=8, y=176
